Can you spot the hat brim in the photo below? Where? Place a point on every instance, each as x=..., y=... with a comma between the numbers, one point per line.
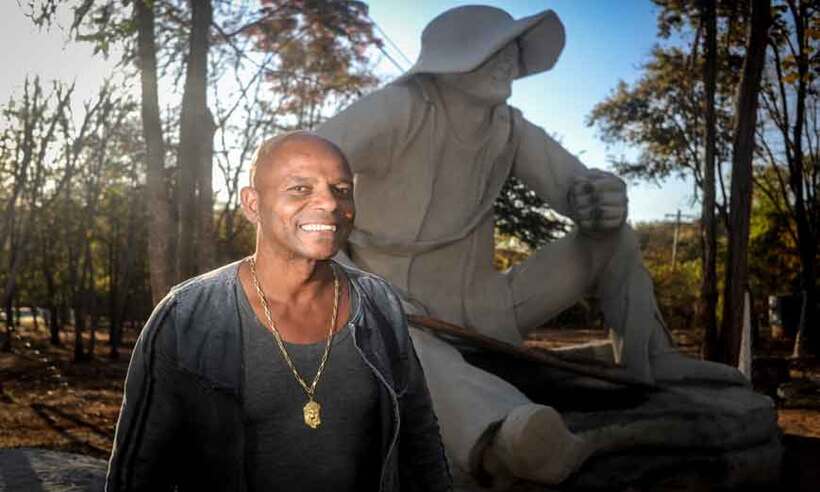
x=541, y=39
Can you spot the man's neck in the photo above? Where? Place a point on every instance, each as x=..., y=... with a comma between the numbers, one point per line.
x=290, y=279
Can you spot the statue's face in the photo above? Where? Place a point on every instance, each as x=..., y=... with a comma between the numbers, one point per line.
x=492, y=81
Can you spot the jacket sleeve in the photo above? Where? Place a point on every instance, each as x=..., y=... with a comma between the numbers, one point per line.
x=422, y=462
x=150, y=417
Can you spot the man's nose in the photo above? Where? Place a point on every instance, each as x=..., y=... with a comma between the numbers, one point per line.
x=326, y=199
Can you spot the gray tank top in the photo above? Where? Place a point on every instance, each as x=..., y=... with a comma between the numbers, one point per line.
x=282, y=453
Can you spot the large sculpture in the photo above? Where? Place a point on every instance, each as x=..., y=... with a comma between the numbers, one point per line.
x=431, y=151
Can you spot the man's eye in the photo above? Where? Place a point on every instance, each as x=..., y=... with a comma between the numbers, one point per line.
x=299, y=188
x=344, y=190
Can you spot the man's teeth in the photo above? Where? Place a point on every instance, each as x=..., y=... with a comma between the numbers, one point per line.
x=317, y=227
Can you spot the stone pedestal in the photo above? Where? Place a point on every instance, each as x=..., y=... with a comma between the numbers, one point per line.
x=684, y=438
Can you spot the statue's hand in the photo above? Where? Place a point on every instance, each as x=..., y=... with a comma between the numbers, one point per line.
x=598, y=201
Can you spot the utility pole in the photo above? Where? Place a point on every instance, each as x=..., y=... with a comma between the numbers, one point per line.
x=677, y=217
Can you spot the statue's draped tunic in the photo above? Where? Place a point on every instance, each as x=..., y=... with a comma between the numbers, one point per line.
x=425, y=221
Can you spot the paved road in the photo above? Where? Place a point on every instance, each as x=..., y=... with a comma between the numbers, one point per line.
x=39, y=470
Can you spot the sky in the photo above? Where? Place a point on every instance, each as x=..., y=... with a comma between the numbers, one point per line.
x=606, y=41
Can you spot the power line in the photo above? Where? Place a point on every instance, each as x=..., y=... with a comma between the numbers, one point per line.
x=385, y=53
x=393, y=45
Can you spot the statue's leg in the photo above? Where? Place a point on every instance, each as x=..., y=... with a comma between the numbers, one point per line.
x=611, y=269
x=556, y=277
x=642, y=341
x=487, y=424
x=468, y=401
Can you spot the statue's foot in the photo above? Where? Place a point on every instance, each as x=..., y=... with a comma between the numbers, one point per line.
x=674, y=367
x=533, y=443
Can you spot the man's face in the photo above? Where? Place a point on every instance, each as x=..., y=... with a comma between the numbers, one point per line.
x=302, y=200
x=492, y=81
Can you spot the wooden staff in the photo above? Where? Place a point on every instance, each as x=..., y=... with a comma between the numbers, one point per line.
x=574, y=364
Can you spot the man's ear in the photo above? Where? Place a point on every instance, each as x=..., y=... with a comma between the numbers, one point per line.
x=250, y=204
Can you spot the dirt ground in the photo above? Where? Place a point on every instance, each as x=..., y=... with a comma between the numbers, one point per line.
x=47, y=401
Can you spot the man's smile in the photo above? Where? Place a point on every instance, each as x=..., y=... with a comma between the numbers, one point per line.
x=318, y=227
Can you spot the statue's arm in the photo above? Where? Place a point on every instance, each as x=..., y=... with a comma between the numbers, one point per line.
x=594, y=199
x=546, y=167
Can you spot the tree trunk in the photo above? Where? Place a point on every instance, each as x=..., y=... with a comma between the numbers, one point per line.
x=741, y=195
x=708, y=288
x=8, y=297
x=90, y=296
x=35, y=324
x=9, y=323
x=92, y=342
x=808, y=339
x=196, y=126
x=79, y=328
x=51, y=304
x=124, y=265
x=207, y=236
x=161, y=228
x=82, y=304
x=53, y=324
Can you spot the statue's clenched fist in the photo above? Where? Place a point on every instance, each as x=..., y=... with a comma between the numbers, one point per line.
x=598, y=201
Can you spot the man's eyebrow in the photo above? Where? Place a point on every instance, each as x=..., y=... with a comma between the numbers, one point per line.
x=299, y=179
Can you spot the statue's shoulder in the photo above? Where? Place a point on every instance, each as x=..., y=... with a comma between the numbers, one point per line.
x=404, y=96
x=518, y=116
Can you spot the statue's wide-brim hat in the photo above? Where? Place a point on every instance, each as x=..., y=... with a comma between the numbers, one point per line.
x=461, y=39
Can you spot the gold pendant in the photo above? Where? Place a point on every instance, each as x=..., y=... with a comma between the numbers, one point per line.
x=311, y=411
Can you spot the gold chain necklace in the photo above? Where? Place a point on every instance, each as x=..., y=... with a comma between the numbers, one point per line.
x=312, y=409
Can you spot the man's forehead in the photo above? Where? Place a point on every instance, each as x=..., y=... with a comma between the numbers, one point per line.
x=294, y=148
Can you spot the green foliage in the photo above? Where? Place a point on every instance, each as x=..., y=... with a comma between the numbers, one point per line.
x=774, y=260
x=662, y=115
x=520, y=213
x=676, y=287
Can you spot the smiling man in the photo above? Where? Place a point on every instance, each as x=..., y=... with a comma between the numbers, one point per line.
x=285, y=370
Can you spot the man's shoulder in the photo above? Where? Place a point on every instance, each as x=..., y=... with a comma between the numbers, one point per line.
x=196, y=325
x=369, y=282
x=221, y=277
x=382, y=298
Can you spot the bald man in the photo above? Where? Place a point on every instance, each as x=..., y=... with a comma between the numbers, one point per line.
x=284, y=370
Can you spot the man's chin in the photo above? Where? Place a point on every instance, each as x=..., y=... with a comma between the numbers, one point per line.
x=321, y=254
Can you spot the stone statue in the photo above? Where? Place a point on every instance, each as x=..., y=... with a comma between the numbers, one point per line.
x=431, y=151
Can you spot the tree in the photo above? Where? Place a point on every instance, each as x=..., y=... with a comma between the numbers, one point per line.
x=663, y=114
x=790, y=142
x=194, y=252
x=27, y=147
x=707, y=308
x=161, y=230
x=743, y=146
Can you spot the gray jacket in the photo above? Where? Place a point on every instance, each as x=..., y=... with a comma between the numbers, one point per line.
x=181, y=422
